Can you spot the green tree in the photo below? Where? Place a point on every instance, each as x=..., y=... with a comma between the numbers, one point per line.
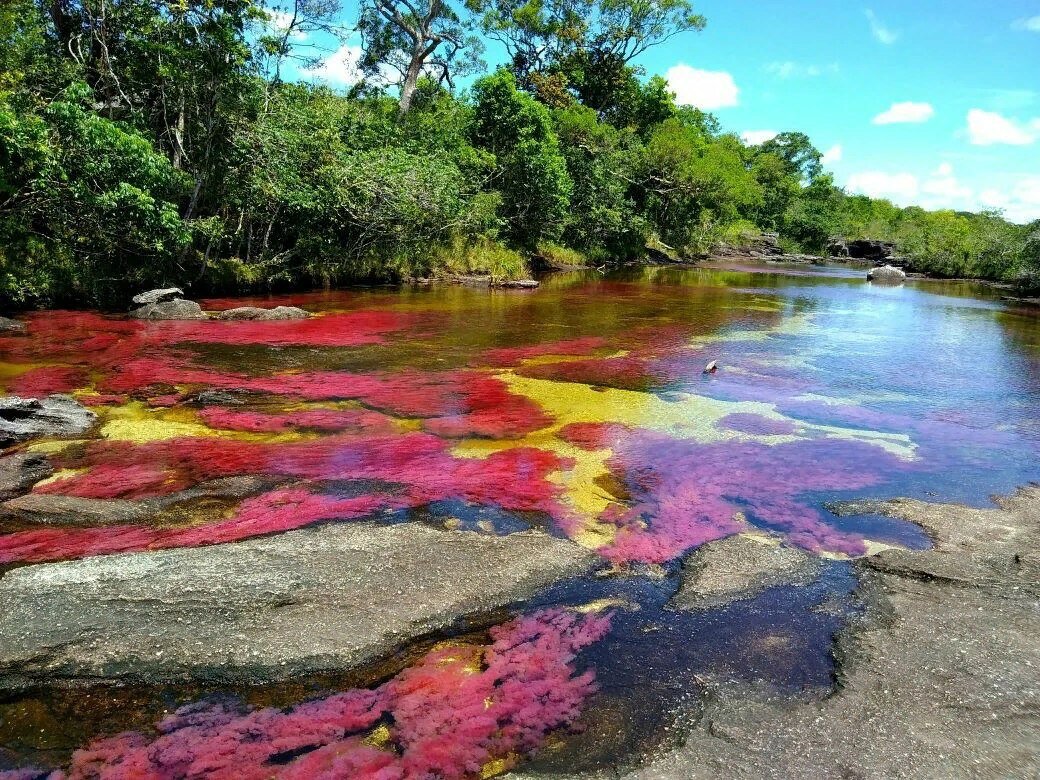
x=530, y=170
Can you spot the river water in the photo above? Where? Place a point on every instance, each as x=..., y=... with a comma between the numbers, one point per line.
x=583, y=409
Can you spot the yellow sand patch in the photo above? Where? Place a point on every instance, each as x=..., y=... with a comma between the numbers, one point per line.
x=139, y=423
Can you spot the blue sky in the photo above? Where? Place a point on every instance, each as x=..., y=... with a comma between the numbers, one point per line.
x=931, y=102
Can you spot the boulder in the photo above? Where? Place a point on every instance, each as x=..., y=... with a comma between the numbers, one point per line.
x=887, y=274
x=53, y=416
x=52, y=509
x=256, y=313
x=740, y=567
x=871, y=249
x=178, y=309
x=19, y=472
x=7, y=325
x=317, y=600
x=158, y=296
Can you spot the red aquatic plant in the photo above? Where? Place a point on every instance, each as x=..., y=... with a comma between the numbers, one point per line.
x=47, y=380
x=134, y=480
x=334, y=420
x=458, y=708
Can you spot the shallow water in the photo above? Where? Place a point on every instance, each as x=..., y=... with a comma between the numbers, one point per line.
x=581, y=408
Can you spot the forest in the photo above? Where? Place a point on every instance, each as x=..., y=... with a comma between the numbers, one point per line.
x=146, y=142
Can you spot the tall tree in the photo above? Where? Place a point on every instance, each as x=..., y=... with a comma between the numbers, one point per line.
x=414, y=37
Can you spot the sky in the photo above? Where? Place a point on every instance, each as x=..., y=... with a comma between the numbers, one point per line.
x=930, y=102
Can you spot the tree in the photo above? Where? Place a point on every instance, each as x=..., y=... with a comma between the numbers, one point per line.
x=530, y=171
x=802, y=159
x=591, y=42
x=415, y=37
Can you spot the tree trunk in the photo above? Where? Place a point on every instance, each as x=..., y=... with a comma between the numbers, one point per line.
x=411, y=78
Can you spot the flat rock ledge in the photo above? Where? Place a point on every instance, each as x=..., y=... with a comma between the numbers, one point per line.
x=257, y=313
x=939, y=679
x=59, y=416
x=740, y=567
x=317, y=600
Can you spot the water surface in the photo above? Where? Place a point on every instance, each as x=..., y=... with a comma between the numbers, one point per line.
x=581, y=408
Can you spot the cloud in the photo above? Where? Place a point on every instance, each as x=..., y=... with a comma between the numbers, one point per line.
x=882, y=34
x=757, y=137
x=905, y=113
x=1031, y=24
x=833, y=155
x=944, y=191
x=1020, y=202
x=798, y=70
x=899, y=187
x=987, y=128
x=342, y=67
x=704, y=89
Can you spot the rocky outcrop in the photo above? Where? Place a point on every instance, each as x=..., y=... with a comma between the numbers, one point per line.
x=937, y=679
x=886, y=274
x=256, y=313
x=58, y=510
x=177, y=309
x=838, y=247
x=316, y=600
x=7, y=325
x=740, y=567
x=19, y=472
x=158, y=296
x=54, y=416
x=870, y=249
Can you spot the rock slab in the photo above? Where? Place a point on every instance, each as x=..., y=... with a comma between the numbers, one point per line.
x=740, y=567
x=21, y=471
x=178, y=309
x=316, y=600
x=158, y=296
x=55, y=415
x=257, y=313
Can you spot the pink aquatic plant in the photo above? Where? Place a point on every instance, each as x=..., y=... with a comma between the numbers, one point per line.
x=334, y=420
x=457, y=709
x=683, y=494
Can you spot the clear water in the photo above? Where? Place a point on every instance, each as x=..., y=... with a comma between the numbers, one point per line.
x=581, y=408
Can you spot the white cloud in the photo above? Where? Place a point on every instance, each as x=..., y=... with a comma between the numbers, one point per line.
x=704, y=89
x=756, y=137
x=833, y=155
x=1020, y=202
x=1032, y=24
x=343, y=66
x=884, y=35
x=899, y=187
x=945, y=191
x=987, y=128
x=905, y=113
x=798, y=70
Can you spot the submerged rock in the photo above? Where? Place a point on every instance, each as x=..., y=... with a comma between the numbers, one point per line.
x=178, y=309
x=887, y=274
x=523, y=284
x=7, y=325
x=740, y=567
x=21, y=471
x=158, y=296
x=257, y=313
x=55, y=415
x=321, y=599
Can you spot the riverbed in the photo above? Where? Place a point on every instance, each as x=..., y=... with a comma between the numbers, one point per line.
x=505, y=498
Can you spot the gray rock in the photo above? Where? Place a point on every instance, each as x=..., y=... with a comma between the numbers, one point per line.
x=216, y=398
x=256, y=313
x=178, y=309
x=7, y=325
x=887, y=274
x=53, y=416
x=158, y=296
x=19, y=472
x=224, y=488
x=939, y=679
x=740, y=567
x=870, y=249
x=522, y=284
x=315, y=600
x=58, y=510
x=838, y=247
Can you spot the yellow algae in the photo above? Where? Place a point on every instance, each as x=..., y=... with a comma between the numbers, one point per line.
x=602, y=605
x=378, y=737
x=136, y=422
x=54, y=446
x=498, y=766
x=59, y=475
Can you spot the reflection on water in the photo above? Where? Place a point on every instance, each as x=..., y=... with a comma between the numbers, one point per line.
x=582, y=409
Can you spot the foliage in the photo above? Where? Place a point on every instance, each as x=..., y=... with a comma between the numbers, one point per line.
x=146, y=142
